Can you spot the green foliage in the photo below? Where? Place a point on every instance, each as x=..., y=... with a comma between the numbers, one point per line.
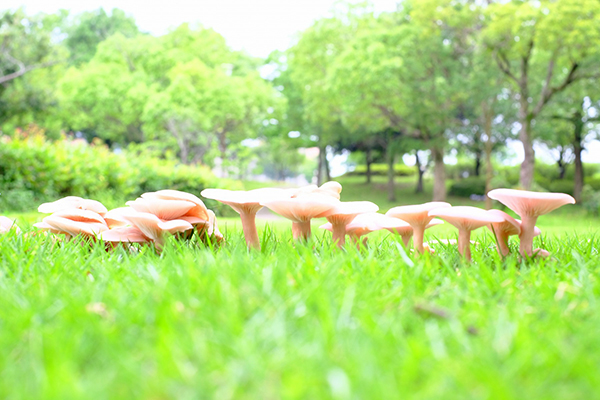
x=382, y=170
x=34, y=170
x=473, y=185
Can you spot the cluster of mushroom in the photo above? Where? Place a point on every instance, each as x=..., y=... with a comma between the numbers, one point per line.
x=148, y=219
x=353, y=218
x=156, y=215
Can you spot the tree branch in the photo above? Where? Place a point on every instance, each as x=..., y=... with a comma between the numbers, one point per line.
x=23, y=69
x=504, y=65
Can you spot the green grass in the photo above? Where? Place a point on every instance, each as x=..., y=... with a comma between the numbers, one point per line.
x=297, y=321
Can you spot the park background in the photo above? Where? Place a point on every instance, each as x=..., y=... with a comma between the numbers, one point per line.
x=401, y=103
x=433, y=98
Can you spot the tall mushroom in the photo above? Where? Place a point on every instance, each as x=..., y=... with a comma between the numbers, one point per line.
x=343, y=213
x=247, y=204
x=418, y=217
x=466, y=219
x=529, y=206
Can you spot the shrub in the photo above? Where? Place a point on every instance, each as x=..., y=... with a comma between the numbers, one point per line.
x=468, y=186
x=34, y=170
x=382, y=169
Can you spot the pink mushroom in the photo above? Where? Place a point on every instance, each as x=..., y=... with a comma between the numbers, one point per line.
x=343, y=214
x=529, y=206
x=196, y=215
x=406, y=231
x=300, y=210
x=6, y=224
x=508, y=227
x=73, y=222
x=72, y=202
x=466, y=219
x=247, y=204
x=153, y=227
x=366, y=223
x=418, y=217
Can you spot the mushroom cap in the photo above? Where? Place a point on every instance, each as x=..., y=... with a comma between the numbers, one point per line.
x=79, y=215
x=243, y=201
x=509, y=226
x=367, y=223
x=6, y=224
x=114, y=218
x=331, y=188
x=345, y=212
x=127, y=234
x=199, y=210
x=531, y=204
x=72, y=202
x=72, y=227
x=163, y=209
x=466, y=217
x=303, y=208
x=417, y=215
x=153, y=227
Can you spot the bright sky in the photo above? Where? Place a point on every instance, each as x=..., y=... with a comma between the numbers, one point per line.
x=258, y=26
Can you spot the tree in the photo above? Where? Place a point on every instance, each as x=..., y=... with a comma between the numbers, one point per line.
x=88, y=29
x=543, y=48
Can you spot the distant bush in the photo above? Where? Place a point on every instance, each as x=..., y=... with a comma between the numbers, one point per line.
x=382, y=169
x=474, y=185
x=590, y=200
x=34, y=170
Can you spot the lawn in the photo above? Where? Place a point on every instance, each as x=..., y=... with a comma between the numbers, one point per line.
x=302, y=320
x=297, y=321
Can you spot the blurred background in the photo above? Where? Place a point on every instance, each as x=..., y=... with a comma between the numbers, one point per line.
x=401, y=102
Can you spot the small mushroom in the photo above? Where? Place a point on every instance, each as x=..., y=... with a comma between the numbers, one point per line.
x=529, y=206
x=343, y=214
x=154, y=228
x=73, y=222
x=247, y=204
x=6, y=224
x=300, y=210
x=508, y=227
x=163, y=209
x=466, y=219
x=418, y=217
x=197, y=213
x=366, y=223
x=406, y=231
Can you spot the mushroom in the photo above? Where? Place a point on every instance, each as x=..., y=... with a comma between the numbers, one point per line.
x=196, y=214
x=331, y=188
x=343, y=214
x=508, y=227
x=404, y=229
x=300, y=210
x=153, y=227
x=6, y=224
x=418, y=217
x=466, y=219
x=247, y=204
x=72, y=202
x=73, y=222
x=366, y=223
x=124, y=234
x=529, y=206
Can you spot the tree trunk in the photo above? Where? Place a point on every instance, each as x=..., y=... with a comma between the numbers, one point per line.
x=439, y=174
x=578, y=148
x=369, y=161
x=421, y=172
x=320, y=167
x=489, y=169
x=223, y=149
x=326, y=165
x=391, y=159
x=562, y=167
x=528, y=165
x=477, y=163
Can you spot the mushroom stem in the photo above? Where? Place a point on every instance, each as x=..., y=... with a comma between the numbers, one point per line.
x=418, y=233
x=406, y=239
x=339, y=234
x=301, y=230
x=249, y=228
x=502, y=239
x=527, y=234
x=464, y=243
